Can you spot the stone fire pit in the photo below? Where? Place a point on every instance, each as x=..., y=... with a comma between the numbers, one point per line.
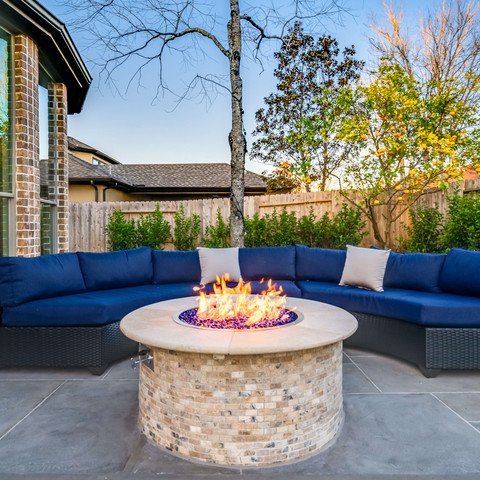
x=254, y=397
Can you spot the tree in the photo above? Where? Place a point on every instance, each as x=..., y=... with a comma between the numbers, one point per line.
x=446, y=46
x=403, y=142
x=282, y=180
x=306, y=69
x=148, y=31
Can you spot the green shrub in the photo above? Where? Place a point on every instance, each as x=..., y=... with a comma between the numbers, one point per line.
x=425, y=233
x=186, y=231
x=462, y=228
x=152, y=230
x=280, y=229
x=347, y=227
x=217, y=236
x=306, y=229
x=121, y=232
x=255, y=231
x=313, y=233
x=285, y=229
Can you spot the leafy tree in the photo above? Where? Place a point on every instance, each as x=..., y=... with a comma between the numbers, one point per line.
x=305, y=68
x=148, y=32
x=282, y=180
x=401, y=143
x=443, y=46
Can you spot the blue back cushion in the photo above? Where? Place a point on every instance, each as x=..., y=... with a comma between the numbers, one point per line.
x=26, y=279
x=319, y=264
x=461, y=272
x=277, y=263
x=414, y=271
x=124, y=268
x=176, y=267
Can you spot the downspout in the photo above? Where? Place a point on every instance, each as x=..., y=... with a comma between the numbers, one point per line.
x=96, y=190
x=105, y=191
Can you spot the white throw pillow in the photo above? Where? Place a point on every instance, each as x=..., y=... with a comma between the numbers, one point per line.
x=365, y=267
x=217, y=262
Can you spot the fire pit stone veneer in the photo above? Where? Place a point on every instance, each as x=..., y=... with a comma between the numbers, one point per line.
x=241, y=398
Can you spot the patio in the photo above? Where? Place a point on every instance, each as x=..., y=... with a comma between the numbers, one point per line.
x=64, y=424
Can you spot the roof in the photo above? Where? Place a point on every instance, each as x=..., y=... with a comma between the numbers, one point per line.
x=58, y=55
x=80, y=170
x=162, y=177
x=78, y=146
x=187, y=175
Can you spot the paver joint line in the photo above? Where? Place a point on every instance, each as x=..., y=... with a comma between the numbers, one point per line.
x=31, y=411
x=456, y=413
x=366, y=376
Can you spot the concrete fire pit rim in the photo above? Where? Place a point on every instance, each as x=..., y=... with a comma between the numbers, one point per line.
x=153, y=325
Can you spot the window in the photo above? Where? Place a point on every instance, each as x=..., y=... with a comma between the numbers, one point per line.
x=97, y=161
x=48, y=174
x=6, y=191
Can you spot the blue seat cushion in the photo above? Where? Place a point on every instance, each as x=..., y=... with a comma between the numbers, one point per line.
x=423, y=308
x=124, y=268
x=277, y=263
x=26, y=279
x=319, y=264
x=414, y=271
x=92, y=308
x=461, y=272
x=175, y=267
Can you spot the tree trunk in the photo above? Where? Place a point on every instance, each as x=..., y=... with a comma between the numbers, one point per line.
x=376, y=230
x=236, y=137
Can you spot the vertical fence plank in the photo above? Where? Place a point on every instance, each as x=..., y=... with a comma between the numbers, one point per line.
x=88, y=220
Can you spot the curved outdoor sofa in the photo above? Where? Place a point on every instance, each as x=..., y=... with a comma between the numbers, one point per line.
x=64, y=310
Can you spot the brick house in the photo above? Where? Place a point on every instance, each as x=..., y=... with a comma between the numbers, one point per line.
x=42, y=79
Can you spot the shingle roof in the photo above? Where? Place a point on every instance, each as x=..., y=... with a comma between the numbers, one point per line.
x=77, y=145
x=78, y=170
x=186, y=176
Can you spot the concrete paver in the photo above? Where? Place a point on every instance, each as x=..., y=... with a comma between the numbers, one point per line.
x=71, y=425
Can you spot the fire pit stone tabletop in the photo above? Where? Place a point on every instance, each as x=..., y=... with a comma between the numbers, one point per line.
x=241, y=398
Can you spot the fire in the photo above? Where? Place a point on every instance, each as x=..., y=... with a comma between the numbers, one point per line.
x=221, y=304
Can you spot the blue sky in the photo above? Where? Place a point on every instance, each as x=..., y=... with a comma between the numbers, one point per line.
x=137, y=128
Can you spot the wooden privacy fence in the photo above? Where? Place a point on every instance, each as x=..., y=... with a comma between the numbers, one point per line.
x=88, y=220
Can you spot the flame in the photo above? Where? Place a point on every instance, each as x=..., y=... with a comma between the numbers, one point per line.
x=267, y=306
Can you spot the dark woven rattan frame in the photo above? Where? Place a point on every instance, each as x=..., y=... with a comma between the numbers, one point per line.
x=82, y=347
x=431, y=349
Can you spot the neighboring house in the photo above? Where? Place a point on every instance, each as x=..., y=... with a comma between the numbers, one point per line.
x=42, y=79
x=96, y=177
x=89, y=154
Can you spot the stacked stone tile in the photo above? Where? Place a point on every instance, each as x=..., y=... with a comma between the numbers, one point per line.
x=243, y=409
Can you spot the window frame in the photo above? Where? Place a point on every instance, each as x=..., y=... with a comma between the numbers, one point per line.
x=11, y=235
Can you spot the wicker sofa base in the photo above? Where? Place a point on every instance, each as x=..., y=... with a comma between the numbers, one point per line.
x=86, y=347
x=431, y=349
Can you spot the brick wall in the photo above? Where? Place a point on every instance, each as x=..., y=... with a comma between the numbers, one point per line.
x=27, y=155
x=26, y=147
x=58, y=146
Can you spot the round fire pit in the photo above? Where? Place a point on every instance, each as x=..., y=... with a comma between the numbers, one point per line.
x=251, y=397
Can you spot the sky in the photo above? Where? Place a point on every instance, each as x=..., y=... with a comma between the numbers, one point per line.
x=136, y=127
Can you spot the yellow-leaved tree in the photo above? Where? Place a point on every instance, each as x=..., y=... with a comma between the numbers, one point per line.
x=403, y=139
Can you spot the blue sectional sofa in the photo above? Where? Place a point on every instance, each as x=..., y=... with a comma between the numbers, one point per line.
x=64, y=310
